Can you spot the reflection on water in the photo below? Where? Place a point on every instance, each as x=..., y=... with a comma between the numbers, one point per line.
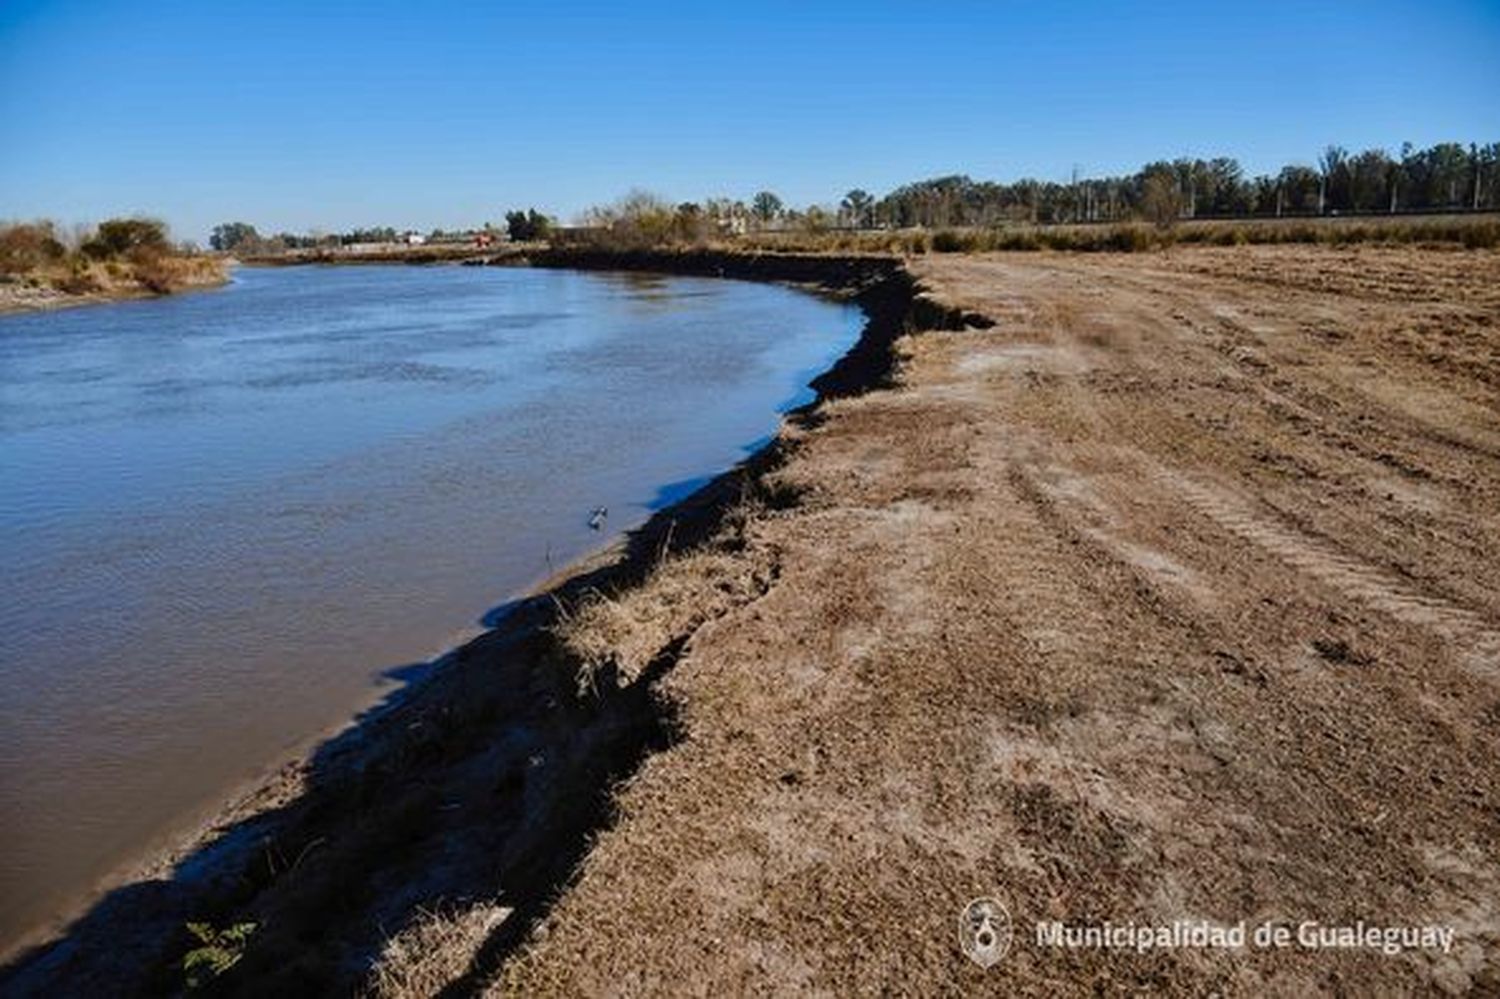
x=223, y=516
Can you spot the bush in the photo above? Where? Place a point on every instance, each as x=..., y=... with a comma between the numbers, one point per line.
x=154, y=271
x=527, y=226
x=78, y=280
x=216, y=952
x=640, y=220
x=1161, y=198
x=27, y=246
x=954, y=241
x=231, y=236
x=1129, y=239
x=1482, y=236
x=117, y=237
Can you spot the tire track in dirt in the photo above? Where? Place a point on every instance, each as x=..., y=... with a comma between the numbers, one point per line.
x=1050, y=611
x=1338, y=410
x=1476, y=642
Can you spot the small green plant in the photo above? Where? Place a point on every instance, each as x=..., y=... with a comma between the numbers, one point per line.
x=218, y=951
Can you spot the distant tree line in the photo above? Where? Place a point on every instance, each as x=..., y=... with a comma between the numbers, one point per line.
x=1444, y=177
x=242, y=237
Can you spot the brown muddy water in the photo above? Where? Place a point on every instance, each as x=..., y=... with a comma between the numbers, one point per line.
x=228, y=521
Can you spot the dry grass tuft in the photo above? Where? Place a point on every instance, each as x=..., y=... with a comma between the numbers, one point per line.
x=433, y=951
x=624, y=632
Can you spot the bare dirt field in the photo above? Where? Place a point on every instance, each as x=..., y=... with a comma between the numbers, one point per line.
x=1174, y=595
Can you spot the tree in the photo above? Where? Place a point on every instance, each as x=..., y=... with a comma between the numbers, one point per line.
x=1301, y=188
x=858, y=207
x=118, y=237
x=1228, y=193
x=1450, y=174
x=689, y=222
x=765, y=206
x=1161, y=197
x=374, y=234
x=637, y=220
x=1334, y=190
x=816, y=219
x=231, y=236
x=527, y=226
x=27, y=245
x=1266, y=196
x=1487, y=176
x=1370, y=179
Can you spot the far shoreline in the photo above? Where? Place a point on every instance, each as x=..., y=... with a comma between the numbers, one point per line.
x=19, y=300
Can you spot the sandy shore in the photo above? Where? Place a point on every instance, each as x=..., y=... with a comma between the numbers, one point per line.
x=1114, y=587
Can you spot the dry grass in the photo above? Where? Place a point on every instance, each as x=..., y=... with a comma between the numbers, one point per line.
x=1171, y=596
x=433, y=951
x=80, y=280
x=623, y=632
x=1474, y=232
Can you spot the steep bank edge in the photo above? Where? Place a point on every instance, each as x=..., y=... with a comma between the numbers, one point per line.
x=438, y=792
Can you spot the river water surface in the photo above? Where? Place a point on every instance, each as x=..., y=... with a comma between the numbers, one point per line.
x=227, y=518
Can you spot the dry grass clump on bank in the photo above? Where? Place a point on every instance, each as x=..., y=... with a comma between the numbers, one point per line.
x=620, y=634
x=433, y=951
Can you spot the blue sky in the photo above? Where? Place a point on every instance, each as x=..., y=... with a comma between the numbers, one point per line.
x=305, y=115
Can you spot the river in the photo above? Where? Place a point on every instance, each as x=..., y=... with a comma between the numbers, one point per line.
x=228, y=520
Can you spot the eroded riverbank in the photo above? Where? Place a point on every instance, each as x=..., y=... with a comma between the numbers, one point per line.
x=1168, y=595
x=441, y=436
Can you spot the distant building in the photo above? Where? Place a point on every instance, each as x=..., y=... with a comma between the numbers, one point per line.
x=414, y=239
